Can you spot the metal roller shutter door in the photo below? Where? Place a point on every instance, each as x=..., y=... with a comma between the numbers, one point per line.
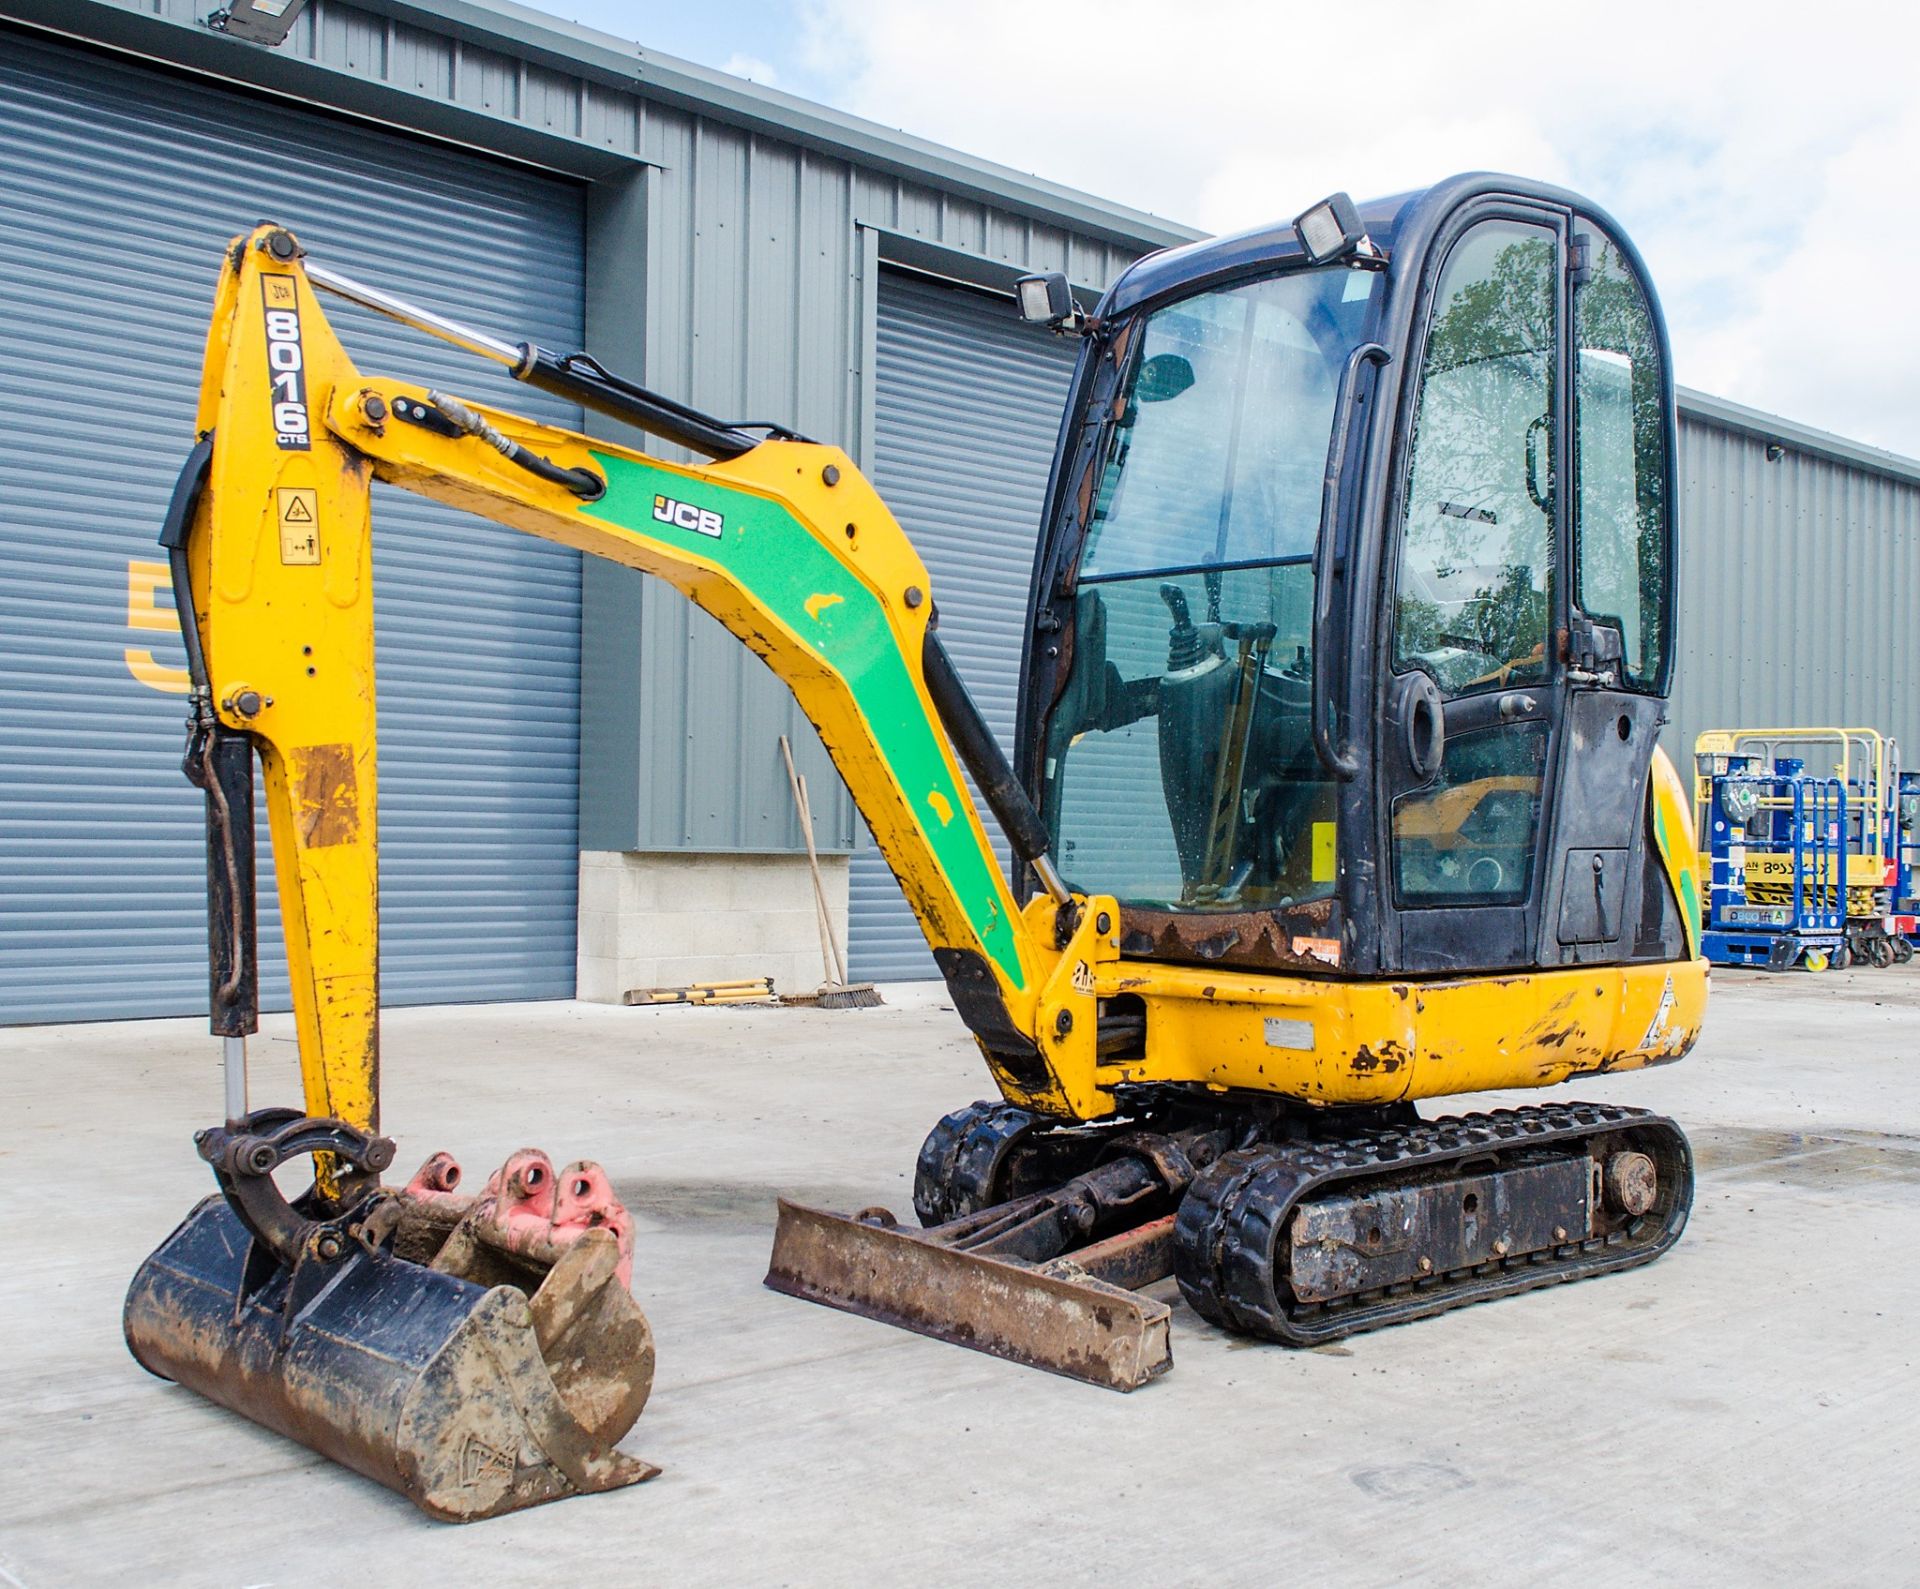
x=967, y=404
x=118, y=187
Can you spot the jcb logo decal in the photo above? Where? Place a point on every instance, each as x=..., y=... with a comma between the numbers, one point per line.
x=286, y=364
x=685, y=516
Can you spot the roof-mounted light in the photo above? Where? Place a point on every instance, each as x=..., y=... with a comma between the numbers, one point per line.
x=1046, y=299
x=1330, y=230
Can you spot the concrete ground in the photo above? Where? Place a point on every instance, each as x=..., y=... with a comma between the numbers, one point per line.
x=1743, y=1411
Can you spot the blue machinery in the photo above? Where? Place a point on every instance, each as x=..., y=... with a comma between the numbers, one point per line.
x=1786, y=830
x=1906, y=850
x=1880, y=829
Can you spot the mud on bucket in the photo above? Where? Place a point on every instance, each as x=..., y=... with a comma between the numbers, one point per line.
x=478, y=1355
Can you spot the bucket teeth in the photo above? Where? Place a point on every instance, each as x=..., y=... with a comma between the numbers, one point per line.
x=1053, y=1316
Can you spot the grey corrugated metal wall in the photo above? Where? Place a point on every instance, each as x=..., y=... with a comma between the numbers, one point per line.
x=1799, y=597
x=967, y=404
x=758, y=301
x=118, y=187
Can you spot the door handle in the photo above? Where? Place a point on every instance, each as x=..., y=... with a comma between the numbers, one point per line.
x=1337, y=759
x=1543, y=500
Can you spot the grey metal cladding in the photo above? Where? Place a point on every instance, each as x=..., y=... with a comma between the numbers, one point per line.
x=966, y=410
x=757, y=308
x=118, y=188
x=1797, y=587
x=760, y=211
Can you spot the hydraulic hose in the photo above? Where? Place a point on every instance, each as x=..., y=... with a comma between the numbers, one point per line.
x=583, y=483
x=982, y=756
x=202, y=763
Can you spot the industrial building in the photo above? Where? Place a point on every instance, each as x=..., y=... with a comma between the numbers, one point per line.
x=582, y=786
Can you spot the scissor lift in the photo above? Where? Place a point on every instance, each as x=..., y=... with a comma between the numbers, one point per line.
x=1787, y=829
x=1878, y=927
x=1905, y=918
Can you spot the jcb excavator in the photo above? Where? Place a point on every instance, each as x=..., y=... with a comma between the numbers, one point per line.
x=1336, y=788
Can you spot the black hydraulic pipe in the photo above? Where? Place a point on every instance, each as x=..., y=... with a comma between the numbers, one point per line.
x=583, y=483
x=584, y=380
x=982, y=755
x=233, y=934
x=220, y=763
x=181, y=507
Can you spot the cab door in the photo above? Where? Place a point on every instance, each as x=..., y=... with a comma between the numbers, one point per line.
x=1529, y=601
x=1474, y=683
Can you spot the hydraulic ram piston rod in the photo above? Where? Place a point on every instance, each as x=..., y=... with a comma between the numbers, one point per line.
x=574, y=376
x=510, y=354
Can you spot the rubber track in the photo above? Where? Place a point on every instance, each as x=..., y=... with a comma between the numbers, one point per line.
x=1234, y=1218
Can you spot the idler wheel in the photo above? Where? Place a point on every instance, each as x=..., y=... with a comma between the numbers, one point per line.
x=1631, y=1183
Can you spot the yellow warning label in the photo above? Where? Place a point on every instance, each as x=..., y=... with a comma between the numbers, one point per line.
x=1323, y=854
x=299, y=524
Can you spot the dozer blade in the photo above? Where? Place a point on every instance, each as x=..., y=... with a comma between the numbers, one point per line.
x=496, y=1378
x=1055, y=1316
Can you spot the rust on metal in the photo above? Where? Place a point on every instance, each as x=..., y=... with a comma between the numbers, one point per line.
x=1055, y=1316
x=1132, y=1259
x=326, y=795
x=1384, y=1057
x=1632, y=1182
x=1282, y=938
x=1364, y=1241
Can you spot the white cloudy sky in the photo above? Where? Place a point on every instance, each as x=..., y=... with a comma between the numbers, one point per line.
x=1765, y=156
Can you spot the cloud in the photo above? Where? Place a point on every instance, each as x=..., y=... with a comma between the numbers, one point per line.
x=1763, y=156
x=752, y=68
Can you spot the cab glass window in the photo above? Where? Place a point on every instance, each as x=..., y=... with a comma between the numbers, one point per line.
x=1180, y=770
x=1621, y=534
x=1475, y=582
x=1468, y=837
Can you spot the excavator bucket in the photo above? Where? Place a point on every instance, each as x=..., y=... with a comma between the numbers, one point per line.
x=476, y=1355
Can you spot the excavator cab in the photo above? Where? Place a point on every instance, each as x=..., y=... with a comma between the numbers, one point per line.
x=1350, y=634
x=1348, y=647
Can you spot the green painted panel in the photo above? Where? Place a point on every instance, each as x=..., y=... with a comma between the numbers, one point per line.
x=776, y=559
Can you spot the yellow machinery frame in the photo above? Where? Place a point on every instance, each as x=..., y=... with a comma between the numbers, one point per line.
x=792, y=550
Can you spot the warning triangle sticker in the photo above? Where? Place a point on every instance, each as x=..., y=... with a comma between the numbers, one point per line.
x=298, y=512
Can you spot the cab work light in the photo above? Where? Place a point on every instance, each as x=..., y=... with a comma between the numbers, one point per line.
x=1330, y=230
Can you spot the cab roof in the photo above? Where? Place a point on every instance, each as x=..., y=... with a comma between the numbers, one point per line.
x=1397, y=218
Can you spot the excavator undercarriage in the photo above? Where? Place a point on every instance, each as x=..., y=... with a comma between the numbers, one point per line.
x=1300, y=1227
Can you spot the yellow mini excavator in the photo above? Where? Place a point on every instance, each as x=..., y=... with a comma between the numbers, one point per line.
x=1336, y=788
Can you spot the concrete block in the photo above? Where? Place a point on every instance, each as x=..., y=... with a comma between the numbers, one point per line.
x=663, y=920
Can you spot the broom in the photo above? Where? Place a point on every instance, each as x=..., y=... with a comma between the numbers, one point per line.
x=836, y=993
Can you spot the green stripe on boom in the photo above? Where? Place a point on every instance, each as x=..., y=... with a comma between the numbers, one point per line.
x=774, y=557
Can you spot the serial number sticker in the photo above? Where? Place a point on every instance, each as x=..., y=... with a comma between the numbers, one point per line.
x=286, y=365
x=299, y=524
x=1283, y=1033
